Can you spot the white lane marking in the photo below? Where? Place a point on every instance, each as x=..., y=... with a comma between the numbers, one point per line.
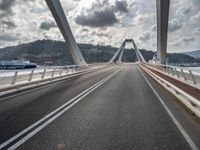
x=86, y=92
x=48, y=83
x=178, y=125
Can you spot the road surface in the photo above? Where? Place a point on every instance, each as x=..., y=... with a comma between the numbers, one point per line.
x=120, y=112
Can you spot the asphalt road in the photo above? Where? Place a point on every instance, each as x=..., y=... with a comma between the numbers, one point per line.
x=121, y=112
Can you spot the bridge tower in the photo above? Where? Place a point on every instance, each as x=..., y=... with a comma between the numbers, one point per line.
x=114, y=58
x=162, y=29
x=118, y=55
x=61, y=20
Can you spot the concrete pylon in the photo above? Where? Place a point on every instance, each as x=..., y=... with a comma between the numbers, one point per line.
x=120, y=55
x=162, y=29
x=61, y=20
x=113, y=59
x=138, y=54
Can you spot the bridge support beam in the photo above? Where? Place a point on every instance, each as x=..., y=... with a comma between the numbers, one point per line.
x=162, y=29
x=61, y=20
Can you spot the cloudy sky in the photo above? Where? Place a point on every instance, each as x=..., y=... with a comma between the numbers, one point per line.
x=104, y=22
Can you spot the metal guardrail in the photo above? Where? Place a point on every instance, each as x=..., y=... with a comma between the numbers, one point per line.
x=180, y=73
x=192, y=103
x=29, y=75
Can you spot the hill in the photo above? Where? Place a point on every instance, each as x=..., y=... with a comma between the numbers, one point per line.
x=195, y=54
x=48, y=52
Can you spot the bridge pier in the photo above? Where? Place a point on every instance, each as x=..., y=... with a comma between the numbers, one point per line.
x=162, y=29
x=61, y=20
x=113, y=59
x=120, y=55
x=138, y=54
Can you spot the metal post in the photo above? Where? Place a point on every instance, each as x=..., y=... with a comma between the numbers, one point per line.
x=75, y=69
x=54, y=70
x=161, y=69
x=61, y=72
x=14, y=78
x=168, y=70
x=177, y=72
x=183, y=75
x=43, y=74
x=165, y=69
x=192, y=76
x=171, y=69
x=67, y=70
x=31, y=75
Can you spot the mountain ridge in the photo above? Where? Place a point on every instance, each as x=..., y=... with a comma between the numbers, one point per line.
x=48, y=52
x=195, y=54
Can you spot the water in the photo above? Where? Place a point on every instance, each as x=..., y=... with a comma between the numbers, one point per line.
x=195, y=70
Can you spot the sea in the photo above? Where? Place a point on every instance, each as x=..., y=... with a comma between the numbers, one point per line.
x=195, y=70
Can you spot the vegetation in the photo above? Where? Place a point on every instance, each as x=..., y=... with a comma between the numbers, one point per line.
x=48, y=52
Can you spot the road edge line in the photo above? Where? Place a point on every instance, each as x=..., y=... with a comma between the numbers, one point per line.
x=178, y=125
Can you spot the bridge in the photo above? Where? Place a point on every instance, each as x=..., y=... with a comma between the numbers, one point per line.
x=113, y=105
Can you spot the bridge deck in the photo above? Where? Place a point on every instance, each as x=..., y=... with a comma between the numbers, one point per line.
x=122, y=113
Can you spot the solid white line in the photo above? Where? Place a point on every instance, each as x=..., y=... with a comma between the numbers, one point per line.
x=31, y=134
x=27, y=137
x=178, y=125
x=55, y=111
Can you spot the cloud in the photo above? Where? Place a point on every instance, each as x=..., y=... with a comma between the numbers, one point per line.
x=102, y=13
x=174, y=25
x=5, y=7
x=47, y=25
x=8, y=24
x=100, y=21
x=84, y=30
x=6, y=4
x=140, y=18
x=99, y=34
x=188, y=40
x=145, y=37
x=196, y=3
x=8, y=37
x=197, y=31
x=186, y=10
x=196, y=17
x=154, y=28
x=121, y=6
x=176, y=43
x=98, y=18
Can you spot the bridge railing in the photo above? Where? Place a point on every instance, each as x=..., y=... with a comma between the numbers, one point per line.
x=181, y=73
x=182, y=83
x=14, y=77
